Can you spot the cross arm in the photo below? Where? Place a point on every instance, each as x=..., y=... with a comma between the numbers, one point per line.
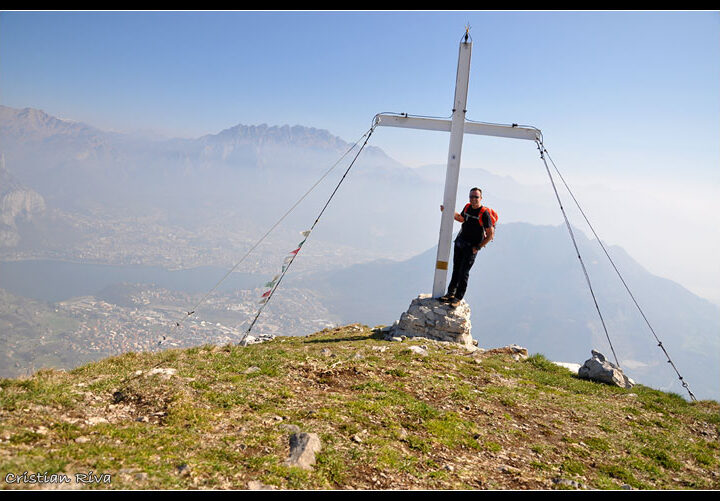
x=483, y=129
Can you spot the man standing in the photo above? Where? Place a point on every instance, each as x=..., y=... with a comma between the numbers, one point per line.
x=478, y=228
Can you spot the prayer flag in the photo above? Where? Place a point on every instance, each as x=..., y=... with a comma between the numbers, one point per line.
x=286, y=263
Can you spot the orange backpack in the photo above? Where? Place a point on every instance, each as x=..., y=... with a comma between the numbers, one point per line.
x=493, y=215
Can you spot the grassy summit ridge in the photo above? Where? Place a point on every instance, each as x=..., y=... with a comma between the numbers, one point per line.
x=216, y=417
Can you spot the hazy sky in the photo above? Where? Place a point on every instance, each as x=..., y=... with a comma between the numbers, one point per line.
x=629, y=102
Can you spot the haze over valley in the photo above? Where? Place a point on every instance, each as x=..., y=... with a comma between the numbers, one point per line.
x=107, y=239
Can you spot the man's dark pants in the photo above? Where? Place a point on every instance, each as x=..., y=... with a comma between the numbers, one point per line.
x=463, y=259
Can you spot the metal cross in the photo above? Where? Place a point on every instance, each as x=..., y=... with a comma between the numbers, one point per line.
x=457, y=126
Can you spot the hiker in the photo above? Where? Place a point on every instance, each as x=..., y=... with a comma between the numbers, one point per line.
x=478, y=228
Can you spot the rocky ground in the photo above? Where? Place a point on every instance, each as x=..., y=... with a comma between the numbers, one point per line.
x=360, y=411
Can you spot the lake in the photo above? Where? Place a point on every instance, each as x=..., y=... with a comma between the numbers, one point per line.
x=53, y=281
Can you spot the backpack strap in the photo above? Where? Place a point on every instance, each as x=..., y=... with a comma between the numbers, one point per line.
x=465, y=215
x=493, y=215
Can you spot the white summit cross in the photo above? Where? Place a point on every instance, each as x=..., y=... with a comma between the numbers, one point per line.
x=457, y=126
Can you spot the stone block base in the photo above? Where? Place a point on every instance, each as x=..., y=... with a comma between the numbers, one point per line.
x=429, y=318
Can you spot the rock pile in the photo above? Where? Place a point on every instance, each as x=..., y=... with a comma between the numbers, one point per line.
x=429, y=318
x=598, y=368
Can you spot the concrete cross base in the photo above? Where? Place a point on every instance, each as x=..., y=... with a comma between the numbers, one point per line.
x=429, y=318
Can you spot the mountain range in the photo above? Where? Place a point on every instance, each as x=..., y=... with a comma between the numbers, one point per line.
x=526, y=287
x=251, y=173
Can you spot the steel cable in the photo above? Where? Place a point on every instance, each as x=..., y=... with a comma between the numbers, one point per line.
x=617, y=271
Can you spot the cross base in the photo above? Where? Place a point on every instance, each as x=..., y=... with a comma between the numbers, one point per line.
x=429, y=318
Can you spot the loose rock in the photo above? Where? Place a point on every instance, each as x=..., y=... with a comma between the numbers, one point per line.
x=256, y=339
x=167, y=372
x=95, y=420
x=419, y=350
x=569, y=483
x=303, y=447
x=517, y=352
x=256, y=485
x=183, y=470
x=598, y=368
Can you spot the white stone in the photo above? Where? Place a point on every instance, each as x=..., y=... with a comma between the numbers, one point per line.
x=419, y=350
x=598, y=368
x=248, y=340
x=432, y=319
x=165, y=372
x=95, y=420
x=570, y=366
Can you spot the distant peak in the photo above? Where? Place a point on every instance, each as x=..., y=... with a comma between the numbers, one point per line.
x=288, y=134
x=38, y=119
